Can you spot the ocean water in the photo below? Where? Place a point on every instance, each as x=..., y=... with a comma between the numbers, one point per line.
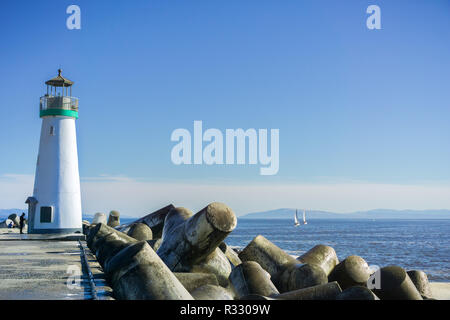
x=411, y=244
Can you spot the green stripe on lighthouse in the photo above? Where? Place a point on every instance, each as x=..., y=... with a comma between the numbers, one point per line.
x=59, y=112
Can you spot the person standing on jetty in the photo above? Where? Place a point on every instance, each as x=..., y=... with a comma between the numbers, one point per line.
x=22, y=222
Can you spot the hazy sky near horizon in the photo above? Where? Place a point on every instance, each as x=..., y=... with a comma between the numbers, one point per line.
x=363, y=114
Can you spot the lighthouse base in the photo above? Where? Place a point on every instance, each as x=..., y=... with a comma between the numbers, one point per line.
x=55, y=231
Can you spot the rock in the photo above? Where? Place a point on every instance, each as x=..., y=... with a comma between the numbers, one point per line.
x=286, y=273
x=327, y=291
x=322, y=256
x=99, y=218
x=420, y=280
x=353, y=271
x=249, y=278
x=114, y=219
x=192, y=281
x=210, y=292
x=140, y=231
x=357, y=293
x=396, y=285
x=137, y=273
x=194, y=240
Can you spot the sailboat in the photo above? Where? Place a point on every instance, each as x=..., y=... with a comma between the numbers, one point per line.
x=304, y=217
x=296, y=223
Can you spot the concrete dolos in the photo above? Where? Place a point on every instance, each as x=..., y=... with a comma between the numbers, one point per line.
x=114, y=219
x=192, y=281
x=322, y=256
x=396, y=285
x=196, y=238
x=300, y=276
x=353, y=271
x=140, y=231
x=174, y=218
x=286, y=272
x=154, y=243
x=210, y=292
x=217, y=264
x=420, y=280
x=249, y=278
x=270, y=257
x=155, y=220
x=15, y=219
x=85, y=226
x=7, y=223
x=137, y=273
x=99, y=218
x=255, y=297
x=327, y=291
x=357, y=293
x=230, y=254
x=101, y=230
x=110, y=247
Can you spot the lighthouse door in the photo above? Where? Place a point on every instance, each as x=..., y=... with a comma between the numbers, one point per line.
x=31, y=201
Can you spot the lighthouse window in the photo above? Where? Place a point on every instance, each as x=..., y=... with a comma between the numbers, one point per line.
x=52, y=130
x=46, y=214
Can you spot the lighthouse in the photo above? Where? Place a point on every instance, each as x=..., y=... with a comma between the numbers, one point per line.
x=55, y=206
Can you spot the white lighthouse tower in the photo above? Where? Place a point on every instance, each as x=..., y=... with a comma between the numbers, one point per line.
x=55, y=206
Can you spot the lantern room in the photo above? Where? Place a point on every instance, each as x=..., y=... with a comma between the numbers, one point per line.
x=58, y=100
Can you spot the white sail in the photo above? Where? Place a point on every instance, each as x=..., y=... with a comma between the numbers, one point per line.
x=304, y=217
x=296, y=219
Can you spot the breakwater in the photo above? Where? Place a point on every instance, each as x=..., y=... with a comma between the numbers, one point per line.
x=175, y=254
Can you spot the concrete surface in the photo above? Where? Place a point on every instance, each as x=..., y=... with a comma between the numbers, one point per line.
x=440, y=290
x=40, y=269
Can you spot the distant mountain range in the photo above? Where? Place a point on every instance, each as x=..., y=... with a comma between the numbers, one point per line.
x=288, y=213
x=4, y=213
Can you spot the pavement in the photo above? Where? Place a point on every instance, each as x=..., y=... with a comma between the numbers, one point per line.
x=47, y=269
x=440, y=290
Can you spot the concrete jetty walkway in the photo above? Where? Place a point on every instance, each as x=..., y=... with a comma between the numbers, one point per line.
x=39, y=267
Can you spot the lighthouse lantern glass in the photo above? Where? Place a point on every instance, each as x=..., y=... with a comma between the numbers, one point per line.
x=58, y=102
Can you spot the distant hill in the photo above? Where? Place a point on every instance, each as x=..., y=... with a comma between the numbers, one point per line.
x=288, y=213
x=4, y=213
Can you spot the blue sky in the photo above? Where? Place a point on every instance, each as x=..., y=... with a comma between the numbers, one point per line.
x=353, y=105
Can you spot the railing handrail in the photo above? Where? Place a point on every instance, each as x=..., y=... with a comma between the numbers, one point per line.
x=57, y=102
